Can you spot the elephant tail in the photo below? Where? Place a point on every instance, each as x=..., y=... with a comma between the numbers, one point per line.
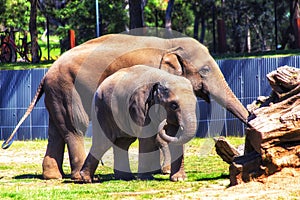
x=39, y=93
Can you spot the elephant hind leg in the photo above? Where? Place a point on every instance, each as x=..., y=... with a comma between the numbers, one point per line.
x=122, y=169
x=75, y=144
x=53, y=159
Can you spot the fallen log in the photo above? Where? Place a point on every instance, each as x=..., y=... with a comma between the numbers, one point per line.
x=273, y=136
x=225, y=150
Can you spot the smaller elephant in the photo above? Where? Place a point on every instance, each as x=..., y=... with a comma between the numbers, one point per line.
x=145, y=103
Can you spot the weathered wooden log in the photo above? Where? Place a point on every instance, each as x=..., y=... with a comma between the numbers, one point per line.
x=285, y=81
x=276, y=124
x=225, y=150
x=245, y=168
x=273, y=136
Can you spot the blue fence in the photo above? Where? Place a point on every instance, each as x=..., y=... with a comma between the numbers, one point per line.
x=246, y=77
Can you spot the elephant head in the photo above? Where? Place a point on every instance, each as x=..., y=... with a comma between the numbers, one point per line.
x=175, y=110
x=192, y=60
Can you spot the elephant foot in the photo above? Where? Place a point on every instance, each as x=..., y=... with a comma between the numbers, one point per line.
x=88, y=169
x=51, y=169
x=166, y=169
x=120, y=175
x=145, y=176
x=179, y=176
x=76, y=176
x=86, y=176
x=47, y=175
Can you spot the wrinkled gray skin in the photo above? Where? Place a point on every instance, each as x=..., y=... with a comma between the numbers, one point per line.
x=122, y=112
x=71, y=81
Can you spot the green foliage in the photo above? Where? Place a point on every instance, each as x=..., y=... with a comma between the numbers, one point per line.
x=182, y=16
x=77, y=15
x=114, y=16
x=16, y=14
x=249, y=25
x=81, y=17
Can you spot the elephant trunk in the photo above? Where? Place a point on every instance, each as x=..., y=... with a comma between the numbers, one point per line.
x=181, y=134
x=226, y=98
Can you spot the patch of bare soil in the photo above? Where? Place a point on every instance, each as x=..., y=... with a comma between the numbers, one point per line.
x=281, y=185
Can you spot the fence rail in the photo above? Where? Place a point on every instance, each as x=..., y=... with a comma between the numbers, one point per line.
x=246, y=78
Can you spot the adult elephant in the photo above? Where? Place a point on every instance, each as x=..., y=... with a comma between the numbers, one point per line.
x=71, y=81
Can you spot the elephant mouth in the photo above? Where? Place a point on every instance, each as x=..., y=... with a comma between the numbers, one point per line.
x=169, y=132
x=173, y=130
x=203, y=95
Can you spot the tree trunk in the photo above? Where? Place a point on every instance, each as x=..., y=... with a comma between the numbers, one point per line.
x=196, y=25
x=221, y=36
x=203, y=29
x=136, y=10
x=33, y=31
x=168, y=23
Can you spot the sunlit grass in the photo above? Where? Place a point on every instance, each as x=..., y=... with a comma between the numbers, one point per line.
x=22, y=179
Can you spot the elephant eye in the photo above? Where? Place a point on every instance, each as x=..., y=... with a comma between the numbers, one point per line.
x=174, y=106
x=204, y=70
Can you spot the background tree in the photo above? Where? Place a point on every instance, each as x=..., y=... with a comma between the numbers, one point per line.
x=136, y=13
x=155, y=13
x=168, y=22
x=288, y=12
x=249, y=24
x=33, y=31
x=15, y=14
x=202, y=10
x=80, y=16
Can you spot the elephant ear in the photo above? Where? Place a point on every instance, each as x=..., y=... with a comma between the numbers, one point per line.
x=173, y=62
x=157, y=94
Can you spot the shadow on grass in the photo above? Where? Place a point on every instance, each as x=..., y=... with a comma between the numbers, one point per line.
x=97, y=179
x=37, y=176
x=100, y=178
x=197, y=176
x=67, y=178
x=29, y=176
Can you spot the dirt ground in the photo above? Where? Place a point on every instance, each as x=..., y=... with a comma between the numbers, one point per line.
x=282, y=185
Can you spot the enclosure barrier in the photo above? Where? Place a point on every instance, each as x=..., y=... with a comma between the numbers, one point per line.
x=246, y=78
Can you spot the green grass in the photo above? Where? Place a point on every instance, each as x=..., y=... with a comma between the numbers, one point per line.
x=22, y=179
x=23, y=65
x=54, y=48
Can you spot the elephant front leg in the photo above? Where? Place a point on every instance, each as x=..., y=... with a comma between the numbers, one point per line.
x=149, y=158
x=122, y=169
x=177, y=165
x=165, y=155
x=100, y=144
x=88, y=169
